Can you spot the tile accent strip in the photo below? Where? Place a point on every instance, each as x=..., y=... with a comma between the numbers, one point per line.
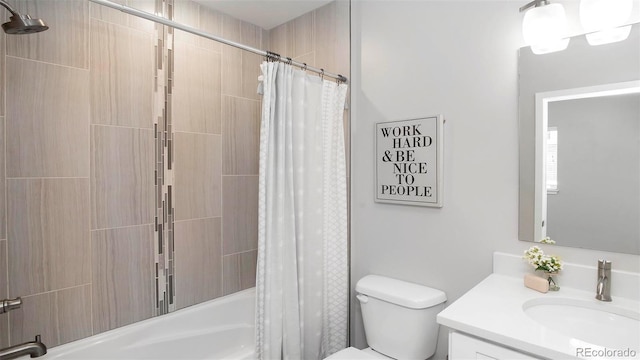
x=165, y=296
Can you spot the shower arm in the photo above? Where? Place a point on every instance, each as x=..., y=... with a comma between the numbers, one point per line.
x=9, y=8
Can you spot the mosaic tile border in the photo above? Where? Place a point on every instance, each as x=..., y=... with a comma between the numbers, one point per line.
x=163, y=230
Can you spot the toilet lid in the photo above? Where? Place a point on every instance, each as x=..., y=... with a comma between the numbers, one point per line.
x=351, y=353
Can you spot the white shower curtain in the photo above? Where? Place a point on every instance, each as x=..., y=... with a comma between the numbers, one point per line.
x=302, y=274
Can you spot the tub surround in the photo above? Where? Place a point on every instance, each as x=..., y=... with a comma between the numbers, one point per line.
x=91, y=195
x=503, y=299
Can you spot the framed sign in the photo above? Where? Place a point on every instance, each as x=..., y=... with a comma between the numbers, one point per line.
x=409, y=155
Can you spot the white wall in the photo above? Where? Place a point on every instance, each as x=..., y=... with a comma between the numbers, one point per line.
x=459, y=59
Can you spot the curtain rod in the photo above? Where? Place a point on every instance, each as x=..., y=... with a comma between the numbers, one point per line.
x=268, y=54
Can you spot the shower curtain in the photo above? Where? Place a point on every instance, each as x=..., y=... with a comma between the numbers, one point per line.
x=302, y=271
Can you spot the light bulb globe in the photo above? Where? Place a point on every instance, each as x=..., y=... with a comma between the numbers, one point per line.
x=544, y=28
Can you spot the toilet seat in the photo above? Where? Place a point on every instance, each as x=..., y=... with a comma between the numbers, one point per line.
x=352, y=353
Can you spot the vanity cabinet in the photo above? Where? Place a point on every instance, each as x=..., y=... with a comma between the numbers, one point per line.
x=465, y=347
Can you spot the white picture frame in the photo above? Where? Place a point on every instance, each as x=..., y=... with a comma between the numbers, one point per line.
x=409, y=161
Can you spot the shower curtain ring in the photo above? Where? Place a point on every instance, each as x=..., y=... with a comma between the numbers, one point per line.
x=272, y=57
x=304, y=68
x=322, y=74
x=289, y=61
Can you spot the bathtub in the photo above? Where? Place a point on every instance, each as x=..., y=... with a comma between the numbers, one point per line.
x=220, y=329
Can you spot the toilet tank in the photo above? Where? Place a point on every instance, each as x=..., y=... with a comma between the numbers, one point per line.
x=400, y=317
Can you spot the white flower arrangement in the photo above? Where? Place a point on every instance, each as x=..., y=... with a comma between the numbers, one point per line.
x=537, y=258
x=547, y=240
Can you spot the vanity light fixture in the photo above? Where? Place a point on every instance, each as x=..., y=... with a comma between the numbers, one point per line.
x=544, y=26
x=602, y=20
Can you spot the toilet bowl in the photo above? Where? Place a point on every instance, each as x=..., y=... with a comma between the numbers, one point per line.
x=399, y=320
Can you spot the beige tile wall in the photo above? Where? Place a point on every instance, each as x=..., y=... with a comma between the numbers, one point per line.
x=3, y=221
x=216, y=113
x=198, y=261
x=78, y=245
x=239, y=270
x=122, y=168
x=59, y=316
x=320, y=38
x=47, y=119
x=121, y=78
x=48, y=232
x=67, y=40
x=240, y=197
x=4, y=320
x=196, y=89
x=121, y=176
x=241, y=68
x=241, y=135
x=3, y=53
x=197, y=183
x=47, y=178
x=123, y=284
x=37, y=315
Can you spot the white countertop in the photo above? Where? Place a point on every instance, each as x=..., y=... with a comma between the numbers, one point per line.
x=493, y=310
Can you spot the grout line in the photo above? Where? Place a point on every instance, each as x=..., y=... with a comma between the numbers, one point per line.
x=56, y=290
x=122, y=227
x=123, y=27
x=50, y=178
x=91, y=303
x=222, y=282
x=44, y=62
x=240, y=97
x=194, y=133
x=45, y=273
x=197, y=45
x=6, y=199
x=6, y=185
x=197, y=219
x=222, y=76
x=87, y=50
x=240, y=68
x=6, y=262
x=57, y=317
x=305, y=54
x=240, y=252
x=124, y=127
x=90, y=45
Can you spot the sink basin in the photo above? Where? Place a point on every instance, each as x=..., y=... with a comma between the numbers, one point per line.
x=589, y=323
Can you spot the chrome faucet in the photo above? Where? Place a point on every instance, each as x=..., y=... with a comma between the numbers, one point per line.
x=7, y=305
x=31, y=348
x=603, y=289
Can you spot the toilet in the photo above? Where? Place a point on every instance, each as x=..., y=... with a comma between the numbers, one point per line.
x=399, y=320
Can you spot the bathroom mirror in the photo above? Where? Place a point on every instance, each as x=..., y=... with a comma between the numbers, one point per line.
x=579, y=133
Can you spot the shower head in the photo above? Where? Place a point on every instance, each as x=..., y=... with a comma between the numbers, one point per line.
x=21, y=24
x=24, y=24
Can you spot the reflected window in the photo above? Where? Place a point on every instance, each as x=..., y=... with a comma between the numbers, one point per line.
x=552, y=160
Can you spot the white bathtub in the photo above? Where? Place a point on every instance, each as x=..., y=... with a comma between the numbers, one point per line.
x=218, y=329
